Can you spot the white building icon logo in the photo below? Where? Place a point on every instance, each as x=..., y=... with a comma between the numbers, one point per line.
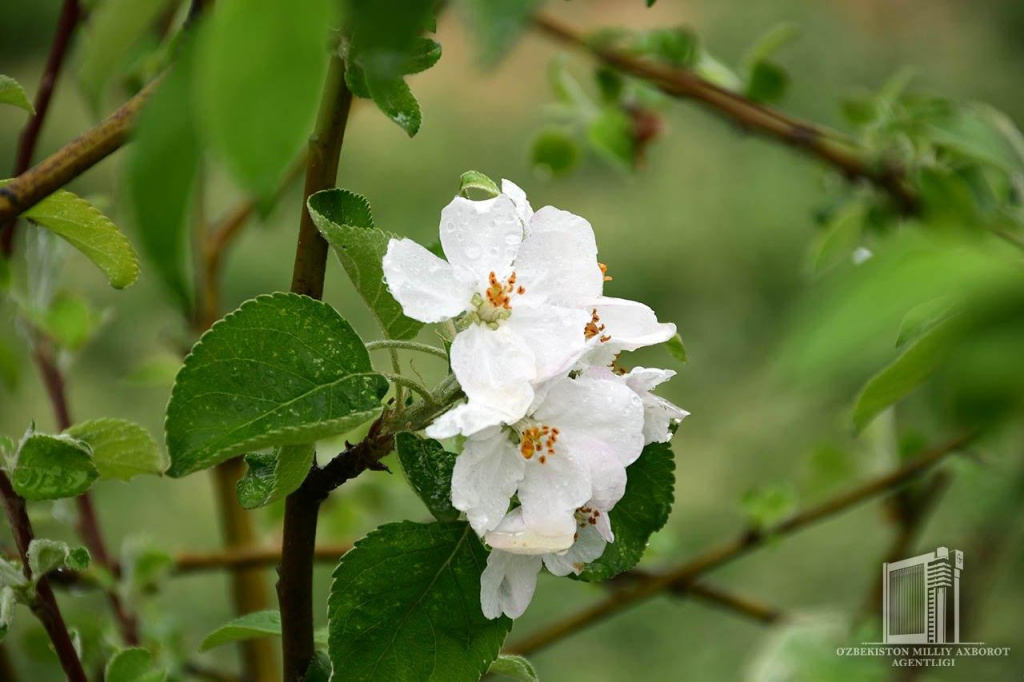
x=921, y=598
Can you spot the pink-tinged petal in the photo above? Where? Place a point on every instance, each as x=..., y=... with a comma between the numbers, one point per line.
x=481, y=236
x=485, y=478
x=512, y=535
x=428, y=288
x=495, y=368
x=554, y=334
x=589, y=546
x=557, y=262
x=518, y=197
x=551, y=492
x=507, y=584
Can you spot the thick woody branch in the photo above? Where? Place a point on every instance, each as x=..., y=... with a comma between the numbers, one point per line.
x=808, y=137
x=689, y=572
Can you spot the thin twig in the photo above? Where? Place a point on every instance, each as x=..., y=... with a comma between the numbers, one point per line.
x=803, y=135
x=716, y=558
x=407, y=345
x=710, y=594
x=70, y=14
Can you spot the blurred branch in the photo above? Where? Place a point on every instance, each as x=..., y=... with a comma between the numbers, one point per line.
x=45, y=605
x=709, y=594
x=687, y=573
x=70, y=14
x=803, y=135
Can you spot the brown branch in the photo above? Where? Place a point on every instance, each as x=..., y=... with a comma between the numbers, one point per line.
x=709, y=594
x=295, y=574
x=73, y=159
x=45, y=605
x=690, y=571
x=70, y=14
x=808, y=137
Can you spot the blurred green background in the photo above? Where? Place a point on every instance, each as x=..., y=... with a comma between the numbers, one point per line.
x=712, y=233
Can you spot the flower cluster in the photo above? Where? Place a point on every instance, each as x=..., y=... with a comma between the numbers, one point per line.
x=549, y=421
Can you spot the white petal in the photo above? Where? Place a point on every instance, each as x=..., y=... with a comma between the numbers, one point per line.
x=551, y=492
x=588, y=547
x=554, y=334
x=642, y=379
x=518, y=197
x=512, y=535
x=507, y=584
x=658, y=417
x=557, y=262
x=428, y=289
x=604, y=527
x=481, y=236
x=495, y=368
x=485, y=478
x=589, y=408
x=607, y=474
x=629, y=324
x=466, y=419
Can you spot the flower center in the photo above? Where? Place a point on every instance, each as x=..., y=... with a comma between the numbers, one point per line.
x=595, y=328
x=585, y=516
x=538, y=440
x=495, y=304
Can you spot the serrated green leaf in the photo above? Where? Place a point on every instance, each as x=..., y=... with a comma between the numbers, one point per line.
x=8, y=599
x=676, y=349
x=283, y=369
x=346, y=223
x=259, y=70
x=405, y=604
x=80, y=224
x=554, y=151
x=476, y=181
x=52, y=467
x=908, y=371
x=428, y=466
x=423, y=54
x=497, y=26
x=767, y=82
x=120, y=448
x=12, y=93
x=161, y=173
x=642, y=511
x=517, y=667
x=395, y=99
x=611, y=136
x=133, y=665
x=274, y=475
x=47, y=555
x=250, y=626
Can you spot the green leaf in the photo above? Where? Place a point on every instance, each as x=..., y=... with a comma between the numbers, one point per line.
x=676, y=348
x=921, y=318
x=405, y=605
x=8, y=599
x=423, y=54
x=840, y=237
x=711, y=69
x=120, y=448
x=346, y=223
x=259, y=69
x=11, y=574
x=112, y=29
x=157, y=370
x=69, y=321
x=161, y=173
x=395, y=99
x=12, y=93
x=766, y=506
x=250, y=626
x=981, y=133
x=274, y=475
x=476, y=181
x=283, y=369
x=384, y=35
x=52, y=467
x=767, y=82
x=611, y=135
x=133, y=665
x=47, y=555
x=517, y=667
x=642, y=511
x=89, y=231
x=497, y=25
x=319, y=668
x=555, y=152
x=429, y=467
x=768, y=44
x=144, y=565
x=677, y=46
x=911, y=369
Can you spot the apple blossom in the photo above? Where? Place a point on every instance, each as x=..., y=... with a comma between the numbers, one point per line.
x=659, y=414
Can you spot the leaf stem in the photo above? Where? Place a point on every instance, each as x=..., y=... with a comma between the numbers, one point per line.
x=407, y=345
x=416, y=386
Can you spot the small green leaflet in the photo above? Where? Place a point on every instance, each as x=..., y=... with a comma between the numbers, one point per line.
x=249, y=626
x=274, y=475
x=47, y=555
x=472, y=180
x=120, y=448
x=554, y=151
x=12, y=93
x=911, y=369
x=405, y=605
x=642, y=511
x=497, y=26
x=513, y=667
x=133, y=665
x=283, y=369
x=676, y=349
x=839, y=238
x=69, y=321
x=52, y=467
x=89, y=231
x=429, y=467
x=611, y=135
x=8, y=599
x=767, y=505
x=345, y=221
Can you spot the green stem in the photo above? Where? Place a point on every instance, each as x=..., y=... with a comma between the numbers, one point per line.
x=407, y=345
x=416, y=386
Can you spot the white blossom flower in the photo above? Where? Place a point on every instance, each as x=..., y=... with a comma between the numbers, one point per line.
x=571, y=448
x=519, y=289
x=659, y=414
x=618, y=325
x=510, y=578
